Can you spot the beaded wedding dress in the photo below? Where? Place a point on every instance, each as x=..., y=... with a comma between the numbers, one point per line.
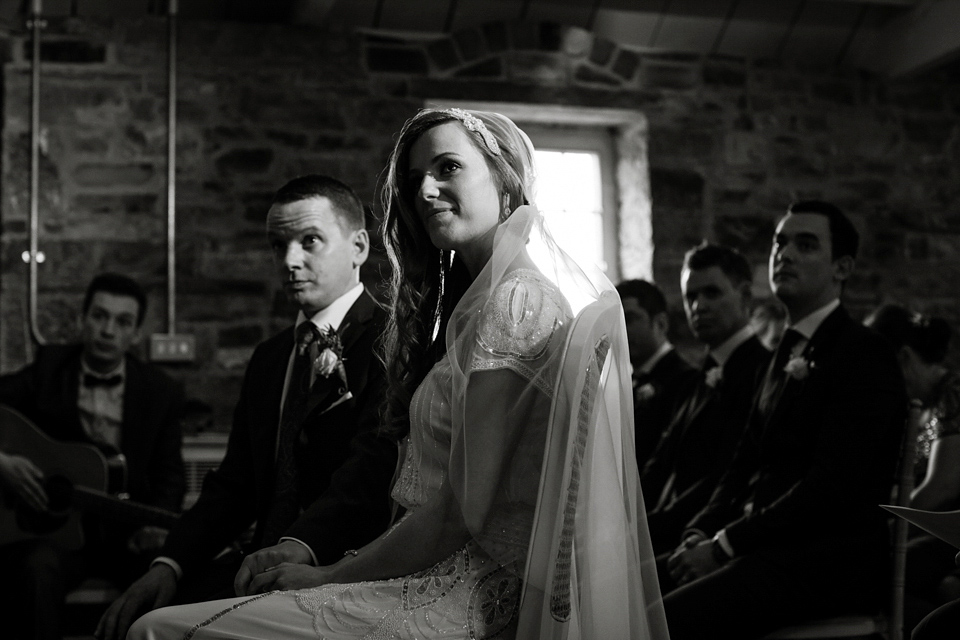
x=533, y=434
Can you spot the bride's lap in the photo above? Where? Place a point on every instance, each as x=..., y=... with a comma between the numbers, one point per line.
x=266, y=617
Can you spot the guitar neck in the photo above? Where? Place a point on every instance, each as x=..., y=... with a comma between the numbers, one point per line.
x=120, y=509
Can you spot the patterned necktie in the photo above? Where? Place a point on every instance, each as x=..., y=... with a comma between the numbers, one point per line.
x=774, y=382
x=285, y=506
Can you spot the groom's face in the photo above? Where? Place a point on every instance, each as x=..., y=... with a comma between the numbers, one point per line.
x=802, y=268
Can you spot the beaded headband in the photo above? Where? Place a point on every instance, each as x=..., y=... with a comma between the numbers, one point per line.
x=475, y=124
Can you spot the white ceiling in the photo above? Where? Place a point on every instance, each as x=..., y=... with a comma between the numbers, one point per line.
x=889, y=37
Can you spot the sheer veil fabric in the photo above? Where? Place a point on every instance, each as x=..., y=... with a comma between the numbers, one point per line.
x=589, y=569
x=534, y=438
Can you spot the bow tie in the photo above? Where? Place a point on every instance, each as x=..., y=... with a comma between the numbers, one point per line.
x=90, y=380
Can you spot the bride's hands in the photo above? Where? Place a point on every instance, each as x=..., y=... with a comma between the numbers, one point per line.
x=288, y=576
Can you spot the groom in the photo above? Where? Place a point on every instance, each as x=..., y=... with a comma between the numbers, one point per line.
x=304, y=437
x=793, y=531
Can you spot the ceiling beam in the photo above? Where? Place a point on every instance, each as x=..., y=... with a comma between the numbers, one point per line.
x=922, y=38
x=889, y=3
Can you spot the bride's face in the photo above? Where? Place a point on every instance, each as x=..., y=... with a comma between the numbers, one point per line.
x=454, y=192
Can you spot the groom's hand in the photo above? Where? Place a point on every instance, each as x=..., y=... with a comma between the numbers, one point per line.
x=688, y=564
x=288, y=551
x=153, y=590
x=286, y=577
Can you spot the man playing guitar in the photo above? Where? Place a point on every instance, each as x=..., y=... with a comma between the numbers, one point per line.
x=92, y=393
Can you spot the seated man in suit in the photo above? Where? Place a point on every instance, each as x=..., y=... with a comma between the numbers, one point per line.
x=305, y=431
x=94, y=392
x=659, y=372
x=793, y=531
x=700, y=442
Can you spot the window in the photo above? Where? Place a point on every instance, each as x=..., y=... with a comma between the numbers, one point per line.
x=617, y=139
x=575, y=192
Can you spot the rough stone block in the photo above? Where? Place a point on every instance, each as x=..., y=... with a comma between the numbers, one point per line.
x=497, y=36
x=470, y=43
x=586, y=74
x=406, y=59
x=247, y=335
x=676, y=189
x=489, y=68
x=443, y=54
x=727, y=75
x=602, y=51
x=101, y=174
x=626, y=64
x=668, y=75
x=742, y=148
x=543, y=69
x=245, y=161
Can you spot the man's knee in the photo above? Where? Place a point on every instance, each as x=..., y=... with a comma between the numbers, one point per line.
x=154, y=625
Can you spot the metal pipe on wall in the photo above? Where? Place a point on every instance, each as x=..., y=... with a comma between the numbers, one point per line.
x=172, y=168
x=34, y=256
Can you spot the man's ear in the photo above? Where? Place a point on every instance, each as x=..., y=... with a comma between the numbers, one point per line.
x=842, y=268
x=660, y=324
x=361, y=245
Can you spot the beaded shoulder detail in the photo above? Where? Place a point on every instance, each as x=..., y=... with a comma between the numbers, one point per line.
x=521, y=316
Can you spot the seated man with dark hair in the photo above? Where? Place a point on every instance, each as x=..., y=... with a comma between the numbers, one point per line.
x=699, y=444
x=660, y=374
x=94, y=393
x=793, y=530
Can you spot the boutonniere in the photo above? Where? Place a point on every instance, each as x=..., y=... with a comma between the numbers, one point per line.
x=645, y=392
x=329, y=358
x=714, y=376
x=799, y=367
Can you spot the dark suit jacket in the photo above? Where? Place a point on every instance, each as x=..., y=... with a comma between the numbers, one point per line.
x=150, y=439
x=239, y=492
x=668, y=379
x=815, y=468
x=699, y=444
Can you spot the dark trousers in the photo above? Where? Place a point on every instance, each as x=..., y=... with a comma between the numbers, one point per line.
x=775, y=587
x=38, y=576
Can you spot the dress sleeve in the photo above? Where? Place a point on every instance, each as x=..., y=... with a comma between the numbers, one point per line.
x=501, y=417
x=516, y=328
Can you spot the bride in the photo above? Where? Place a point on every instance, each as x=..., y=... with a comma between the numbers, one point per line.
x=523, y=515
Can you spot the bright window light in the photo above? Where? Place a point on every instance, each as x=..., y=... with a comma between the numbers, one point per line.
x=570, y=196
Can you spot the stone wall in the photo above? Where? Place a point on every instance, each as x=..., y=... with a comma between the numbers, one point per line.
x=732, y=142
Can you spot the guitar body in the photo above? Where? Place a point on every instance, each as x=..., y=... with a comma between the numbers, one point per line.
x=65, y=465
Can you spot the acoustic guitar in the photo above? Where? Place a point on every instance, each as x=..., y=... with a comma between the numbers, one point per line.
x=77, y=477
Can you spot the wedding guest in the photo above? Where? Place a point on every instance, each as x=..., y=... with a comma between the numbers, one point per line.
x=660, y=374
x=304, y=436
x=793, y=531
x=769, y=318
x=95, y=392
x=477, y=357
x=697, y=447
x=921, y=344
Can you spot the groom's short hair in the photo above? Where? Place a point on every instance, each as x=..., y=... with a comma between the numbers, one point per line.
x=844, y=238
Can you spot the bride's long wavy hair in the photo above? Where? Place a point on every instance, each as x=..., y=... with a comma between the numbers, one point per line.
x=425, y=282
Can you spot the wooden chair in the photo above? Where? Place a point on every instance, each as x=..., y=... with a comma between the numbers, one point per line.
x=888, y=624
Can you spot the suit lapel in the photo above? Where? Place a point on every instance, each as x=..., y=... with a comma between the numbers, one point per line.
x=66, y=400
x=326, y=391
x=133, y=404
x=819, y=342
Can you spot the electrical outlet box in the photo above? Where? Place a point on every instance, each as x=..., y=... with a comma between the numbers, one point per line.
x=165, y=347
